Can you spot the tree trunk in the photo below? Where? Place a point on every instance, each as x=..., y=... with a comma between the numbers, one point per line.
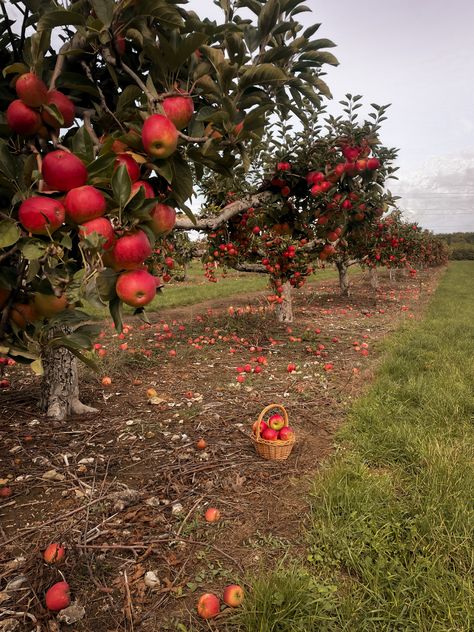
x=60, y=384
x=285, y=309
x=374, y=280
x=342, y=268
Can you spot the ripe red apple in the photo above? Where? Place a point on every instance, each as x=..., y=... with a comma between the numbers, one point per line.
x=159, y=136
x=269, y=434
x=101, y=226
x=22, y=119
x=147, y=188
x=373, y=163
x=201, y=444
x=212, y=515
x=54, y=553
x=263, y=426
x=276, y=422
x=64, y=105
x=179, y=110
x=163, y=219
x=233, y=595
x=208, y=606
x=63, y=171
x=286, y=433
x=58, y=597
x=131, y=250
x=22, y=314
x=84, y=203
x=31, y=90
x=48, y=305
x=131, y=165
x=5, y=492
x=361, y=165
x=136, y=287
x=41, y=215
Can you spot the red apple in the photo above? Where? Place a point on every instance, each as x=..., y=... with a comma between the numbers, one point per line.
x=163, y=219
x=131, y=250
x=84, y=203
x=63, y=171
x=159, y=136
x=147, y=188
x=286, y=433
x=41, y=215
x=269, y=434
x=179, y=110
x=5, y=492
x=58, y=597
x=131, y=165
x=64, y=105
x=22, y=314
x=54, y=553
x=276, y=422
x=208, y=606
x=373, y=163
x=212, y=515
x=48, y=305
x=136, y=287
x=263, y=426
x=233, y=595
x=101, y=226
x=31, y=90
x=22, y=119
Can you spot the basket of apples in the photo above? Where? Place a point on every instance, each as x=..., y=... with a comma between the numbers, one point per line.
x=273, y=439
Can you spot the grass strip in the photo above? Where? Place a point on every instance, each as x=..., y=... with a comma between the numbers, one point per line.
x=390, y=541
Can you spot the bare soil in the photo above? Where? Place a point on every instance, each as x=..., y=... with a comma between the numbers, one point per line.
x=128, y=488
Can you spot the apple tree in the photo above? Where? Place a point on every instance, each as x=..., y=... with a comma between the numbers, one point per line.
x=111, y=111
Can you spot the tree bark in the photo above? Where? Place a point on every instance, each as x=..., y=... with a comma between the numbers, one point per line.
x=59, y=396
x=374, y=280
x=285, y=309
x=342, y=268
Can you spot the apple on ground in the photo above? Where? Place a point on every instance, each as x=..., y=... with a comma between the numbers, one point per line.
x=5, y=492
x=212, y=515
x=136, y=287
x=201, y=444
x=208, y=606
x=63, y=171
x=276, y=422
x=54, y=553
x=233, y=595
x=58, y=597
x=41, y=215
x=159, y=136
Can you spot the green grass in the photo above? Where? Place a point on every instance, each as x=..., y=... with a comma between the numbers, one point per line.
x=197, y=289
x=392, y=514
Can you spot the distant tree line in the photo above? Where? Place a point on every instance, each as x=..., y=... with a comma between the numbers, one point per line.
x=461, y=245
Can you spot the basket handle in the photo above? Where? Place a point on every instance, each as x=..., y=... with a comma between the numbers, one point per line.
x=265, y=411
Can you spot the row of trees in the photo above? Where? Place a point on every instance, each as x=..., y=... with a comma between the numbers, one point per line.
x=104, y=136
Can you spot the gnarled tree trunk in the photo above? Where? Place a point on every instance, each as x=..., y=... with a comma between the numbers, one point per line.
x=285, y=309
x=374, y=280
x=60, y=384
x=343, y=268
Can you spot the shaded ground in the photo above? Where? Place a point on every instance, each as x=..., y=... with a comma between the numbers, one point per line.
x=127, y=487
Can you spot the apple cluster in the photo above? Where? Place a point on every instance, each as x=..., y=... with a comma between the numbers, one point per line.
x=37, y=109
x=274, y=430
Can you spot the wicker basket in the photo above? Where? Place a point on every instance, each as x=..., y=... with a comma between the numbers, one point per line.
x=273, y=450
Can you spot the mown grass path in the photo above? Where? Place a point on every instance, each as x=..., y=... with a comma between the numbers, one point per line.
x=390, y=540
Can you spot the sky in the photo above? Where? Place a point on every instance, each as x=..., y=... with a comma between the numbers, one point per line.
x=417, y=55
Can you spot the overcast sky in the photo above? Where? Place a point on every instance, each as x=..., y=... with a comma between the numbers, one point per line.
x=417, y=55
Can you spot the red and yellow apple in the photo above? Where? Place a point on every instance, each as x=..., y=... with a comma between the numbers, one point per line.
x=208, y=606
x=159, y=136
x=233, y=595
x=63, y=171
x=163, y=219
x=136, y=287
x=212, y=515
x=64, y=105
x=84, y=203
x=41, y=215
x=31, y=90
x=179, y=109
x=131, y=250
x=101, y=226
x=54, y=553
x=131, y=165
x=22, y=119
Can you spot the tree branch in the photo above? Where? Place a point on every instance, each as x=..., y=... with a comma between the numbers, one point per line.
x=251, y=267
x=65, y=48
x=229, y=211
x=9, y=29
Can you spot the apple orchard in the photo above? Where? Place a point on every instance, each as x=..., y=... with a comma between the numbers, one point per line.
x=106, y=136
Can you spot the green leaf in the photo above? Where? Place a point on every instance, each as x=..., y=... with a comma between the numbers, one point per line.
x=182, y=183
x=262, y=74
x=37, y=366
x=105, y=284
x=127, y=98
x=320, y=57
x=165, y=169
x=101, y=165
x=17, y=68
x=320, y=43
x=33, y=249
x=9, y=233
x=268, y=17
x=82, y=145
x=115, y=308
x=104, y=9
x=187, y=47
x=59, y=18
x=121, y=185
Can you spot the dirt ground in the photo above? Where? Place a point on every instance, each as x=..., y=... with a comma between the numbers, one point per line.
x=126, y=489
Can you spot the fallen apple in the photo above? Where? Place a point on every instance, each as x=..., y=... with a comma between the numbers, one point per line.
x=208, y=606
x=54, y=553
x=58, y=597
x=233, y=595
x=212, y=515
